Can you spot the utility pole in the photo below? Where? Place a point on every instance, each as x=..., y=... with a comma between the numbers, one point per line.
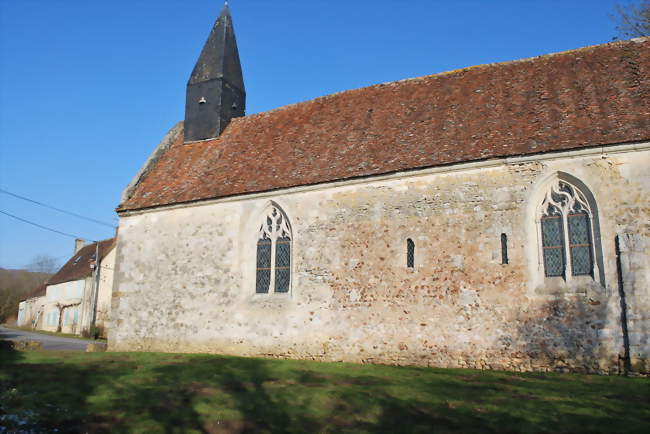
x=95, y=293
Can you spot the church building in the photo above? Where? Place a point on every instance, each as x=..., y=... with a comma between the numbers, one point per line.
x=493, y=217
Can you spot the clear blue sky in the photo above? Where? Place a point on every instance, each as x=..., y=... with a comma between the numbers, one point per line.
x=88, y=88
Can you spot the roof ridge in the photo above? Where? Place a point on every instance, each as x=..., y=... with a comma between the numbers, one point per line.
x=486, y=111
x=72, y=269
x=431, y=76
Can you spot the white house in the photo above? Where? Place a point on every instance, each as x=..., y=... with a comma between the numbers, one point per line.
x=77, y=298
x=30, y=310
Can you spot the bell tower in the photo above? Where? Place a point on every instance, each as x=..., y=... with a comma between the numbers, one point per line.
x=215, y=90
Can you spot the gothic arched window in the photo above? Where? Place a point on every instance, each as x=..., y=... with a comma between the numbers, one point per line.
x=567, y=228
x=273, y=273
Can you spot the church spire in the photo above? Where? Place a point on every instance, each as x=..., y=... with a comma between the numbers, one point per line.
x=215, y=90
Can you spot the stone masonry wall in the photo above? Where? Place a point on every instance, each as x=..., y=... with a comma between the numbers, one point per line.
x=102, y=320
x=185, y=277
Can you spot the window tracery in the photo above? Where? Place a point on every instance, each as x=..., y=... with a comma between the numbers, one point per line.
x=273, y=272
x=566, y=223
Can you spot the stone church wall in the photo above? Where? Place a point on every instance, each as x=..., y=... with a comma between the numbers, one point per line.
x=185, y=276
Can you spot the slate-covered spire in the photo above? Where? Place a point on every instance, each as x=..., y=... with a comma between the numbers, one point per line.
x=215, y=91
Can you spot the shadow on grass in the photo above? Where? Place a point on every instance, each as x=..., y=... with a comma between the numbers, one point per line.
x=42, y=397
x=255, y=395
x=7, y=353
x=170, y=393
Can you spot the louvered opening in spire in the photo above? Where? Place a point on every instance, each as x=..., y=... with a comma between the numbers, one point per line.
x=215, y=90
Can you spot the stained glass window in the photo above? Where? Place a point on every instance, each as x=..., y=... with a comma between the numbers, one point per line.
x=282, y=264
x=566, y=231
x=580, y=243
x=263, y=266
x=410, y=253
x=553, y=244
x=274, y=253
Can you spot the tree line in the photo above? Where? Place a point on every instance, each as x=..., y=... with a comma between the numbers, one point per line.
x=15, y=285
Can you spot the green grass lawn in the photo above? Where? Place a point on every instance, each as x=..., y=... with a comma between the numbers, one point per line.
x=183, y=393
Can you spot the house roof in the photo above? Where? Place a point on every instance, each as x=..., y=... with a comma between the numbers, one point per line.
x=78, y=267
x=39, y=291
x=587, y=97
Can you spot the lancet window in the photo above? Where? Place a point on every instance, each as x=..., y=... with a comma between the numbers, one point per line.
x=566, y=223
x=410, y=253
x=273, y=273
x=504, y=249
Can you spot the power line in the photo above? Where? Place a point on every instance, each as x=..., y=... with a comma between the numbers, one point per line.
x=99, y=222
x=42, y=227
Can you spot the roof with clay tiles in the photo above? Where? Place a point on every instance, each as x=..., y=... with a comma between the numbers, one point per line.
x=79, y=266
x=591, y=96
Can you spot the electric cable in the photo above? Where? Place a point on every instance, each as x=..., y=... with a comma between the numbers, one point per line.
x=43, y=227
x=99, y=222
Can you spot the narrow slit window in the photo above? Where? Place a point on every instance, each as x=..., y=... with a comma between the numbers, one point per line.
x=504, y=249
x=410, y=253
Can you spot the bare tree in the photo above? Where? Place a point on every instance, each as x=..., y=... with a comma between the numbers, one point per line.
x=633, y=20
x=62, y=308
x=43, y=264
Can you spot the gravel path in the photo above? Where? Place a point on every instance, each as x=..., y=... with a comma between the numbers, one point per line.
x=49, y=342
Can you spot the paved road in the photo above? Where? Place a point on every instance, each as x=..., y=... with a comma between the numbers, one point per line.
x=49, y=342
